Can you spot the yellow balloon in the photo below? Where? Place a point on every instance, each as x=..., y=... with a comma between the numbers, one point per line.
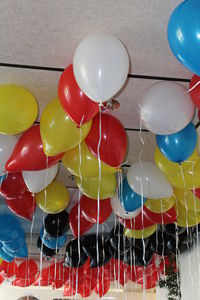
x=187, y=180
x=186, y=218
x=1, y=260
x=160, y=205
x=59, y=133
x=53, y=199
x=87, y=165
x=188, y=199
x=18, y=109
x=89, y=186
x=171, y=168
x=139, y=234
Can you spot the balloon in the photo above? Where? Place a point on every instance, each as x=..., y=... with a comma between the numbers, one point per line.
x=72, y=258
x=27, y=269
x=90, y=187
x=2, y=178
x=160, y=205
x=140, y=222
x=23, y=205
x=53, y=243
x=101, y=65
x=7, y=144
x=195, y=90
x=81, y=162
x=162, y=244
x=196, y=192
x=36, y=181
x=53, y=199
x=59, y=133
x=139, y=234
x=138, y=257
x=163, y=217
x=13, y=186
x=28, y=154
x=183, y=34
x=146, y=180
x=170, y=168
x=188, y=200
x=5, y=256
x=89, y=209
x=186, y=218
x=120, y=272
x=130, y=200
x=166, y=108
x=113, y=142
x=90, y=247
x=78, y=223
x=118, y=241
x=179, y=146
x=187, y=180
x=8, y=270
x=45, y=250
x=56, y=224
x=120, y=211
x=15, y=244
x=71, y=97
x=19, y=109
x=10, y=228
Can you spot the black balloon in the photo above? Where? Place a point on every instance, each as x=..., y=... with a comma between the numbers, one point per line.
x=97, y=248
x=118, y=241
x=56, y=224
x=75, y=255
x=45, y=250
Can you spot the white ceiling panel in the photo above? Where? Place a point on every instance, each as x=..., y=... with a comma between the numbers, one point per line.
x=46, y=32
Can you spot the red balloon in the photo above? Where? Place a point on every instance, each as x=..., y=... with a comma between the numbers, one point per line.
x=29, y=155
x=69, y=291
x=57, y=274
x=195, y=93
x=166, y=217
x=23, y=205
x=120, y=272
x=8, y=269
x=138, y=222
x=196, y=192
x=75, y=103
x=75, y=222
x=1, y=279
x=23, y=282
x=113, y=145
x=28, y=269
x=45, y=278
x=13, y=185
x=89, y=209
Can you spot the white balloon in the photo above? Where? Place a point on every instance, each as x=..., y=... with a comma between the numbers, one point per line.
x=120, y=211
x=166, y=108
x=36, y=181
x=145, y=179
x=7, y=144
x=101, y=65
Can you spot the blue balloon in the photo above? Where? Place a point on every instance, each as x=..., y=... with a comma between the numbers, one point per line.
x=53, y=243
x=14, y=244
x=5, y=256
x=184, y=34
x=178, y=146
x=10, y=228
x=128, y=198
x=2, y=178
x=20, y=251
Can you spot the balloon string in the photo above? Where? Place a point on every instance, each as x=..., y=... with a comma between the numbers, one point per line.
x=98, y=197
x=79, y=197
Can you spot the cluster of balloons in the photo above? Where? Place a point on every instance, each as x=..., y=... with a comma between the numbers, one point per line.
x=12, y=238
